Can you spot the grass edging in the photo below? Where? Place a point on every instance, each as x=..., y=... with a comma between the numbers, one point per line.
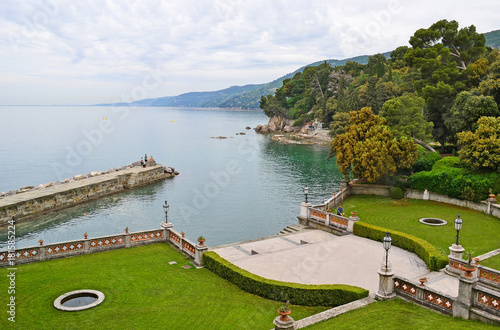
x=330, y=295
x=425, y=250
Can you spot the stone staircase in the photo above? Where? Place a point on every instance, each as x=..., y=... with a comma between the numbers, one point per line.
x=293, y=229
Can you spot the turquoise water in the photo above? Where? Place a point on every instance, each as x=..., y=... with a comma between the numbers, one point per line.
x=234, y=189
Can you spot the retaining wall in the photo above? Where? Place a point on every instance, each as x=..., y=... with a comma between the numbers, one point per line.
x=30, y=204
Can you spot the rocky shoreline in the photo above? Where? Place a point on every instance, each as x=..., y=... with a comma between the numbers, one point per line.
x=283, y=131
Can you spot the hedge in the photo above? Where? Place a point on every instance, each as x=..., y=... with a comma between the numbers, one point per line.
x=425, y=250
x=330, y=295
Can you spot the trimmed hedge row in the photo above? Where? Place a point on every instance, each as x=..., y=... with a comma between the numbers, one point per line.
x=425, y=250
x=298, y=294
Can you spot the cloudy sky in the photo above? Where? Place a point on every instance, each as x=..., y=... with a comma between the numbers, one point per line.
x=87, y=52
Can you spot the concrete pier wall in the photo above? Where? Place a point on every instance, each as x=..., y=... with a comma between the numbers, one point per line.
x=33, y=203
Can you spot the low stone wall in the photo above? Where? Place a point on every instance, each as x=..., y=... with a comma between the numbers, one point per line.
x=36, y=202
x=381, y=190
x=105, y=243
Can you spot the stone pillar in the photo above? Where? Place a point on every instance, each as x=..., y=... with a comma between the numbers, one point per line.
x=288, y=324
x=327, y=220
x=385, y=284
x=198, y=256
x=304, y=210
x=426, y=195
x=351, y=222
x=489, y=203
x=465, y=297
x=86, y=246
x=41, y=253
x=127, y=240
x=166, y=226
x=456, y=252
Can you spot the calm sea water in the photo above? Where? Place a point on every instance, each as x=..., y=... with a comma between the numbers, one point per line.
x=239, y=188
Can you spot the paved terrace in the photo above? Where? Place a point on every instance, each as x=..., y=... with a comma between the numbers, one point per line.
x=317, y=257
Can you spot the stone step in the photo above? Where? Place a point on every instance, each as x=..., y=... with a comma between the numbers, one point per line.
x=292, y=229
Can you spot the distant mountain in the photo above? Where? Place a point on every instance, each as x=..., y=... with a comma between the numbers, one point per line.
x=248, y=96
x=241, y=97
x=493, y=39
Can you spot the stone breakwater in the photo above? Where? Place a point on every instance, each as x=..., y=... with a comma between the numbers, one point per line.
x=29, y=202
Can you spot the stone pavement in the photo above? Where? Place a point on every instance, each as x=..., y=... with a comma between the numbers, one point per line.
x=317, y=257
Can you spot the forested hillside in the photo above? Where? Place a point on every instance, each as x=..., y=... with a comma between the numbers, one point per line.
x=448, y=76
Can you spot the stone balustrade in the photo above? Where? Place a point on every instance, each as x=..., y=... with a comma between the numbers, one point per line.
x=104, y=243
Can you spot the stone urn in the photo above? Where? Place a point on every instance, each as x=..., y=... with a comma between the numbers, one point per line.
x=284, y=314
x=201, y=240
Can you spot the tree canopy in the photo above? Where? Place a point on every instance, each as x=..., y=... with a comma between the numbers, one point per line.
x=481, y=148
x=369, y=150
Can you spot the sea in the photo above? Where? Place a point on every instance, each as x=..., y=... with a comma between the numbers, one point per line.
x=234, y=184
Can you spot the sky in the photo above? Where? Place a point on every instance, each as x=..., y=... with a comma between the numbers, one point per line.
x=79, y=52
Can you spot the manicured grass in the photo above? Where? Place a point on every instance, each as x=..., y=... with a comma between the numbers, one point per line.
x=493, y=262
x=142, y=291
x=479, y=233
x=397, y=314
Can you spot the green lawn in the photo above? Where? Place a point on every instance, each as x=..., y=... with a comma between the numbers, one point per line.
x=493, y=262
x=397, y=314
x=479, y=233
x=142, y=292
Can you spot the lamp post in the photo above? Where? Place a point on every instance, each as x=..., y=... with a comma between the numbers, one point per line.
x=306, y=191
x=387, y=241
x=165, y=208
x=458, y=225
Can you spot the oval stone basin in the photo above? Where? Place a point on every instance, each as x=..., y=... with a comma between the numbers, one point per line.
x=78, y=300
x=433, y=221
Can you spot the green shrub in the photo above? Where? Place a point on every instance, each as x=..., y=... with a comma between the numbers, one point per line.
x=298, y=294
x=396, y=193
x=446, y=163
x=453, y=183
x=426, y=251
x=425, y=160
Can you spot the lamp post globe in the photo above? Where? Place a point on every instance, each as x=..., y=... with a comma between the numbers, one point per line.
x=458, y=225
x=306, y=191
x=387, y=241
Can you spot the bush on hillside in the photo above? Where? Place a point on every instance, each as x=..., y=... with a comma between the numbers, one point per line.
x=425, y=160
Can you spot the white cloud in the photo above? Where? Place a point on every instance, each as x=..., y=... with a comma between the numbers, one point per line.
x=75, y=51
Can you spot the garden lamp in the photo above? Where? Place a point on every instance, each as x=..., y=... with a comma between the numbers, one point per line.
x=387, y=241
x=458, y=225
x=306, y=191
x=165, y=208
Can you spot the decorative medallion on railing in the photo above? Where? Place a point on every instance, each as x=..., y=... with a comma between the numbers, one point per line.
x=456, y=264
x=318, y=214
x=189, y=247
x=488, y=301
x=145, y=236
x=19, y=254
x=4, y=256
x=64, y=248
x=175, y=238
x=106, y=241
x=340, y=221
x=407, y=287
x=489, y=276
x=438, y=300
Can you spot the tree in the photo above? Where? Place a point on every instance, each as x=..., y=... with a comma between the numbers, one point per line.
x=339, y=122
x=481, y=149
x=405, y=116
x=369, y=150
x=442, y=53
x=467, y=109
